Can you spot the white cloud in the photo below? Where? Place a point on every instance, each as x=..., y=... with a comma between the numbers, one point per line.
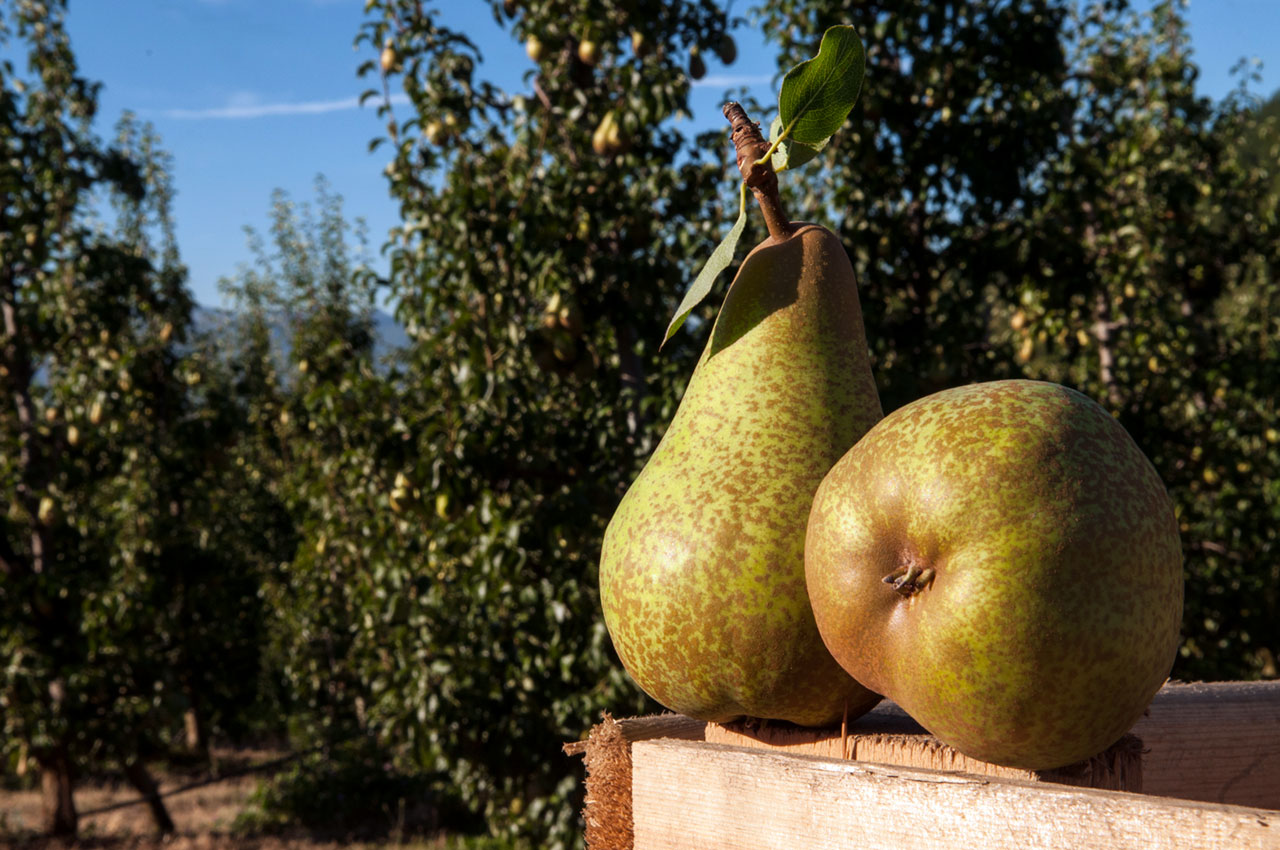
x=248, y=105
x=241, y=105
x=726, y=81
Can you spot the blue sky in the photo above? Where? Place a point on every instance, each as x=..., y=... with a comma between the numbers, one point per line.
x=251, y=95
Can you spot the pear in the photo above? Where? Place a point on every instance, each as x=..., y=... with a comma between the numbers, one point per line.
x=435, y=132
x=1003, y=562
x=534, y=48
x=601, y=138
x=697, y=67
x=727, y=49
x=588, y=52
x=388, y=60
x=702, y=566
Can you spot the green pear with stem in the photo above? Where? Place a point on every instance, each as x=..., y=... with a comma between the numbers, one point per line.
x=1003, y=562
x=702, y=566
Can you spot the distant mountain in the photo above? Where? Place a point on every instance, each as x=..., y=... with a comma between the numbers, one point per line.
x=388, y=335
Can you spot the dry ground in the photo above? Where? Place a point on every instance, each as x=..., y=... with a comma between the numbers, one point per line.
x=203, y=816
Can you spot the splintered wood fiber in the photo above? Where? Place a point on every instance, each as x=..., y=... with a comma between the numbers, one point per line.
x=607, y=753
x=608, y=789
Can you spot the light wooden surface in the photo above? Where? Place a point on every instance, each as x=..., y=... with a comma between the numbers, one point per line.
x=700, y=796
x=1217, y=741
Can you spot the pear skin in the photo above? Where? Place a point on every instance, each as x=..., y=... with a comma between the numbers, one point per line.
x=1003, y=562
x=702, y=567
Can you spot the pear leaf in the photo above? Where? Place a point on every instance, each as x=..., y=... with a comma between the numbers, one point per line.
x=790, y=153
x=720, y=259
x=817, y=94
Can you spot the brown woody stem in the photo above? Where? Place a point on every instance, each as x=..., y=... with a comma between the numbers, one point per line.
x=761, y=179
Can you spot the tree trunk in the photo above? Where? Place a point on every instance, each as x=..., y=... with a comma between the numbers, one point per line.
x=57, y=785
x=196, y=731
x=1102, y=328
x=140, y=778
x=633, y=377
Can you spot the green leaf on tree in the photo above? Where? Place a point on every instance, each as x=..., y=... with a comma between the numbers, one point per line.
x=720, y=259
x=817, y=94
x=790, y=153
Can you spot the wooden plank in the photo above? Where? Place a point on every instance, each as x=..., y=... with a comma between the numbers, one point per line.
x=700, y=796
x=886, y=735
x=1217, y=741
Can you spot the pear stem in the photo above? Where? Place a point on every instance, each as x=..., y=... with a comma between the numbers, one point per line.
x=760, y=177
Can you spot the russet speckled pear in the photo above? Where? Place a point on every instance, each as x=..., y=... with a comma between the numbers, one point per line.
x=702, y=567
x=1038, y=566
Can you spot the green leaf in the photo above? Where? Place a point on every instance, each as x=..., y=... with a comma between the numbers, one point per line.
x=817, y=94
x=720, y=259
x=790, y=153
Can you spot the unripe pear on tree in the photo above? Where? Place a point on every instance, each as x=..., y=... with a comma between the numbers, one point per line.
x=388, y=60
x=697, y=66
x=727, y=50
x=533, y=47
x=46, y=509
x=588, y=52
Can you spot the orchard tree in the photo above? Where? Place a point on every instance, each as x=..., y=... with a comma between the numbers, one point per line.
x=962, y=104
x=547, y=236
x=1039, y=192
x=102, y=435
x=304, y=360
x=330, y=439
x=1161, y=303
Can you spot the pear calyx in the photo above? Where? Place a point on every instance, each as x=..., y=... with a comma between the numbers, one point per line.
x=909, y=579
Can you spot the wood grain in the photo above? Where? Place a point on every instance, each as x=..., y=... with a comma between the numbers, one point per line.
x=1215, y=741
x=700, y=796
